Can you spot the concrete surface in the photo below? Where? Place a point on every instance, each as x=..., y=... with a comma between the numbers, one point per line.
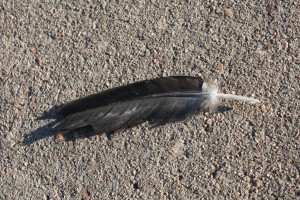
x=55, y=52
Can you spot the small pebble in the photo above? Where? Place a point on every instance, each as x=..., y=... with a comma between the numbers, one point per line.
x=285, y=45
x=33, y=51
x=176, y=149
x=250, y=114
x=228, y=12
x=4, y=72
x=295, y=115
x=50, y=40
x=297, y=134
x=257, y=73
x=8, y=170
x=248, y=186
x=147, y=52
x=69, y=155
x=59, y=137
x=209, y=121
x=258, y=183
x=262, y=89
x=94, y=25
x=271, y=9
x=15, y=103
x=220, y=67
x=263, y=107
x=86, y=193
x=33, y=104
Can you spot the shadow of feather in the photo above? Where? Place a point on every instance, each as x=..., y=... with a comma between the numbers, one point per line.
x=44, y=131
x=50, y=114
x=38, y=134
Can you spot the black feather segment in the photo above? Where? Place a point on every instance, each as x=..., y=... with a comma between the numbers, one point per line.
x=157, y=101
x=132, y=91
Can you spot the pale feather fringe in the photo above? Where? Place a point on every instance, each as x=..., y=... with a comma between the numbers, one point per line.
x=211, y=92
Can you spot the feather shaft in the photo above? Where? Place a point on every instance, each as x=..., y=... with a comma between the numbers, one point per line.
x=210, y=95
x=237, y=98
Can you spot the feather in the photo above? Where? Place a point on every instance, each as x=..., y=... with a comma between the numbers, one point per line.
x=157, y=101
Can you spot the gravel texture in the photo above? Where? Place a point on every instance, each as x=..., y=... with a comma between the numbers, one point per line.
x=54, y=52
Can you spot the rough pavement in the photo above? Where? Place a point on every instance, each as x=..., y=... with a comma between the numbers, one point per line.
x=55, y=52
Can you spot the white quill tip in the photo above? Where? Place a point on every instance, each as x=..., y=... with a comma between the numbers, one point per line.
x=237, y=98
x=212, y=91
